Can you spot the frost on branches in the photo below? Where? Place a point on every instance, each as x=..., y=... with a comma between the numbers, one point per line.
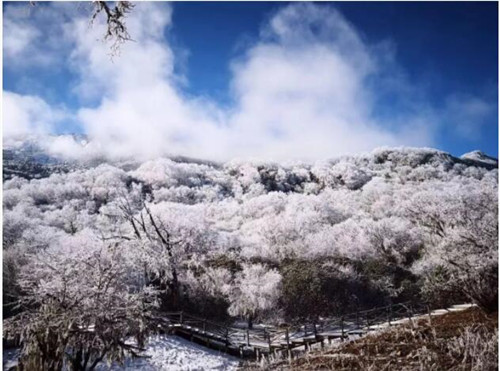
x=255, y=289
x=88, y=254
x=461, y=226
x=81, y=299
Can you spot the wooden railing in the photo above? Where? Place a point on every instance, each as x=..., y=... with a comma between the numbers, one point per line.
x=264, y=340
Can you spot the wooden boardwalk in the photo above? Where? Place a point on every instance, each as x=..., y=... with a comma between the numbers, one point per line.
x=260, y=342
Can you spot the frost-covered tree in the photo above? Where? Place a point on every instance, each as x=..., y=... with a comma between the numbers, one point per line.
x=255, y=290
x=82, y=300
x=462, y=247
x=390, y=225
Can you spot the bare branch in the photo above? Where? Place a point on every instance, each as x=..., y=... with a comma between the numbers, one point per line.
x=115, y=21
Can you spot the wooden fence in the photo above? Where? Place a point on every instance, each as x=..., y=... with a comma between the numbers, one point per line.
x=263, y=341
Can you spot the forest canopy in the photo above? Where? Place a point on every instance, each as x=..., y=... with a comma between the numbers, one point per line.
x=244, y=239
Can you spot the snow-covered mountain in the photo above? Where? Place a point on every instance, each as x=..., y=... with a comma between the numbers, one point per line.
x=31, y=158
x=480, y=157
x=246, y=238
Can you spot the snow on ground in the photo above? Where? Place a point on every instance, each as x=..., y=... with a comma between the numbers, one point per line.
x=9, y=358
x=176, y=354
x=173, y=353
x=170, y=353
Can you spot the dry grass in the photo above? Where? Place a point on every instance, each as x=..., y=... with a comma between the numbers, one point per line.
x=465, y=340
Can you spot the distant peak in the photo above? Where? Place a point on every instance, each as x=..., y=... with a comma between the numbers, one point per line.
x=480, y=157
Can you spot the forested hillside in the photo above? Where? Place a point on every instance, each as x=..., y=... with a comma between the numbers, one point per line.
x=107, y=245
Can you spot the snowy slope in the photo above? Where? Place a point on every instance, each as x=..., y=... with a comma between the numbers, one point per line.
x=480, y=157
x=174, y=353
x=163, y=353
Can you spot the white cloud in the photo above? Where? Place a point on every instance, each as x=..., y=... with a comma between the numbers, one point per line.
x=33, y=36
x=24, y=115
x=467, y=114
x=18, y=38
x=301, y=92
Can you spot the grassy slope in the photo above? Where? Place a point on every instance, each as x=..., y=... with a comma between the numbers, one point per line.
x=464, y=340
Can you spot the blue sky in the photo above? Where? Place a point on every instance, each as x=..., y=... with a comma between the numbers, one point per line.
x=259, y=79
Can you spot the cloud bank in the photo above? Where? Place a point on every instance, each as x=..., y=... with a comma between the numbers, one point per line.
x=24, y=114
x=304, y=91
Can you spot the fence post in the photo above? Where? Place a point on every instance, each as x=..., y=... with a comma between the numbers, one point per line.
x=315, y=331
x=307, y=346
x=429, y=313
x=409, y=311
x=181, y=319
x=342, y=327
x=226, y=345
x=287, y=336
x=248, y=337
x=268, y=335
x=207, y=341
x=321, y=329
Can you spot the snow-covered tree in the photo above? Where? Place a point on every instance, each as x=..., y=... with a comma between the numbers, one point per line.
x=462, y=246
x=81, y=301
x=255, y=290
x=397, y=220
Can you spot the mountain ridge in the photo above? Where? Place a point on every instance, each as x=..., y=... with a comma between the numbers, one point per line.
x=29, y=159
